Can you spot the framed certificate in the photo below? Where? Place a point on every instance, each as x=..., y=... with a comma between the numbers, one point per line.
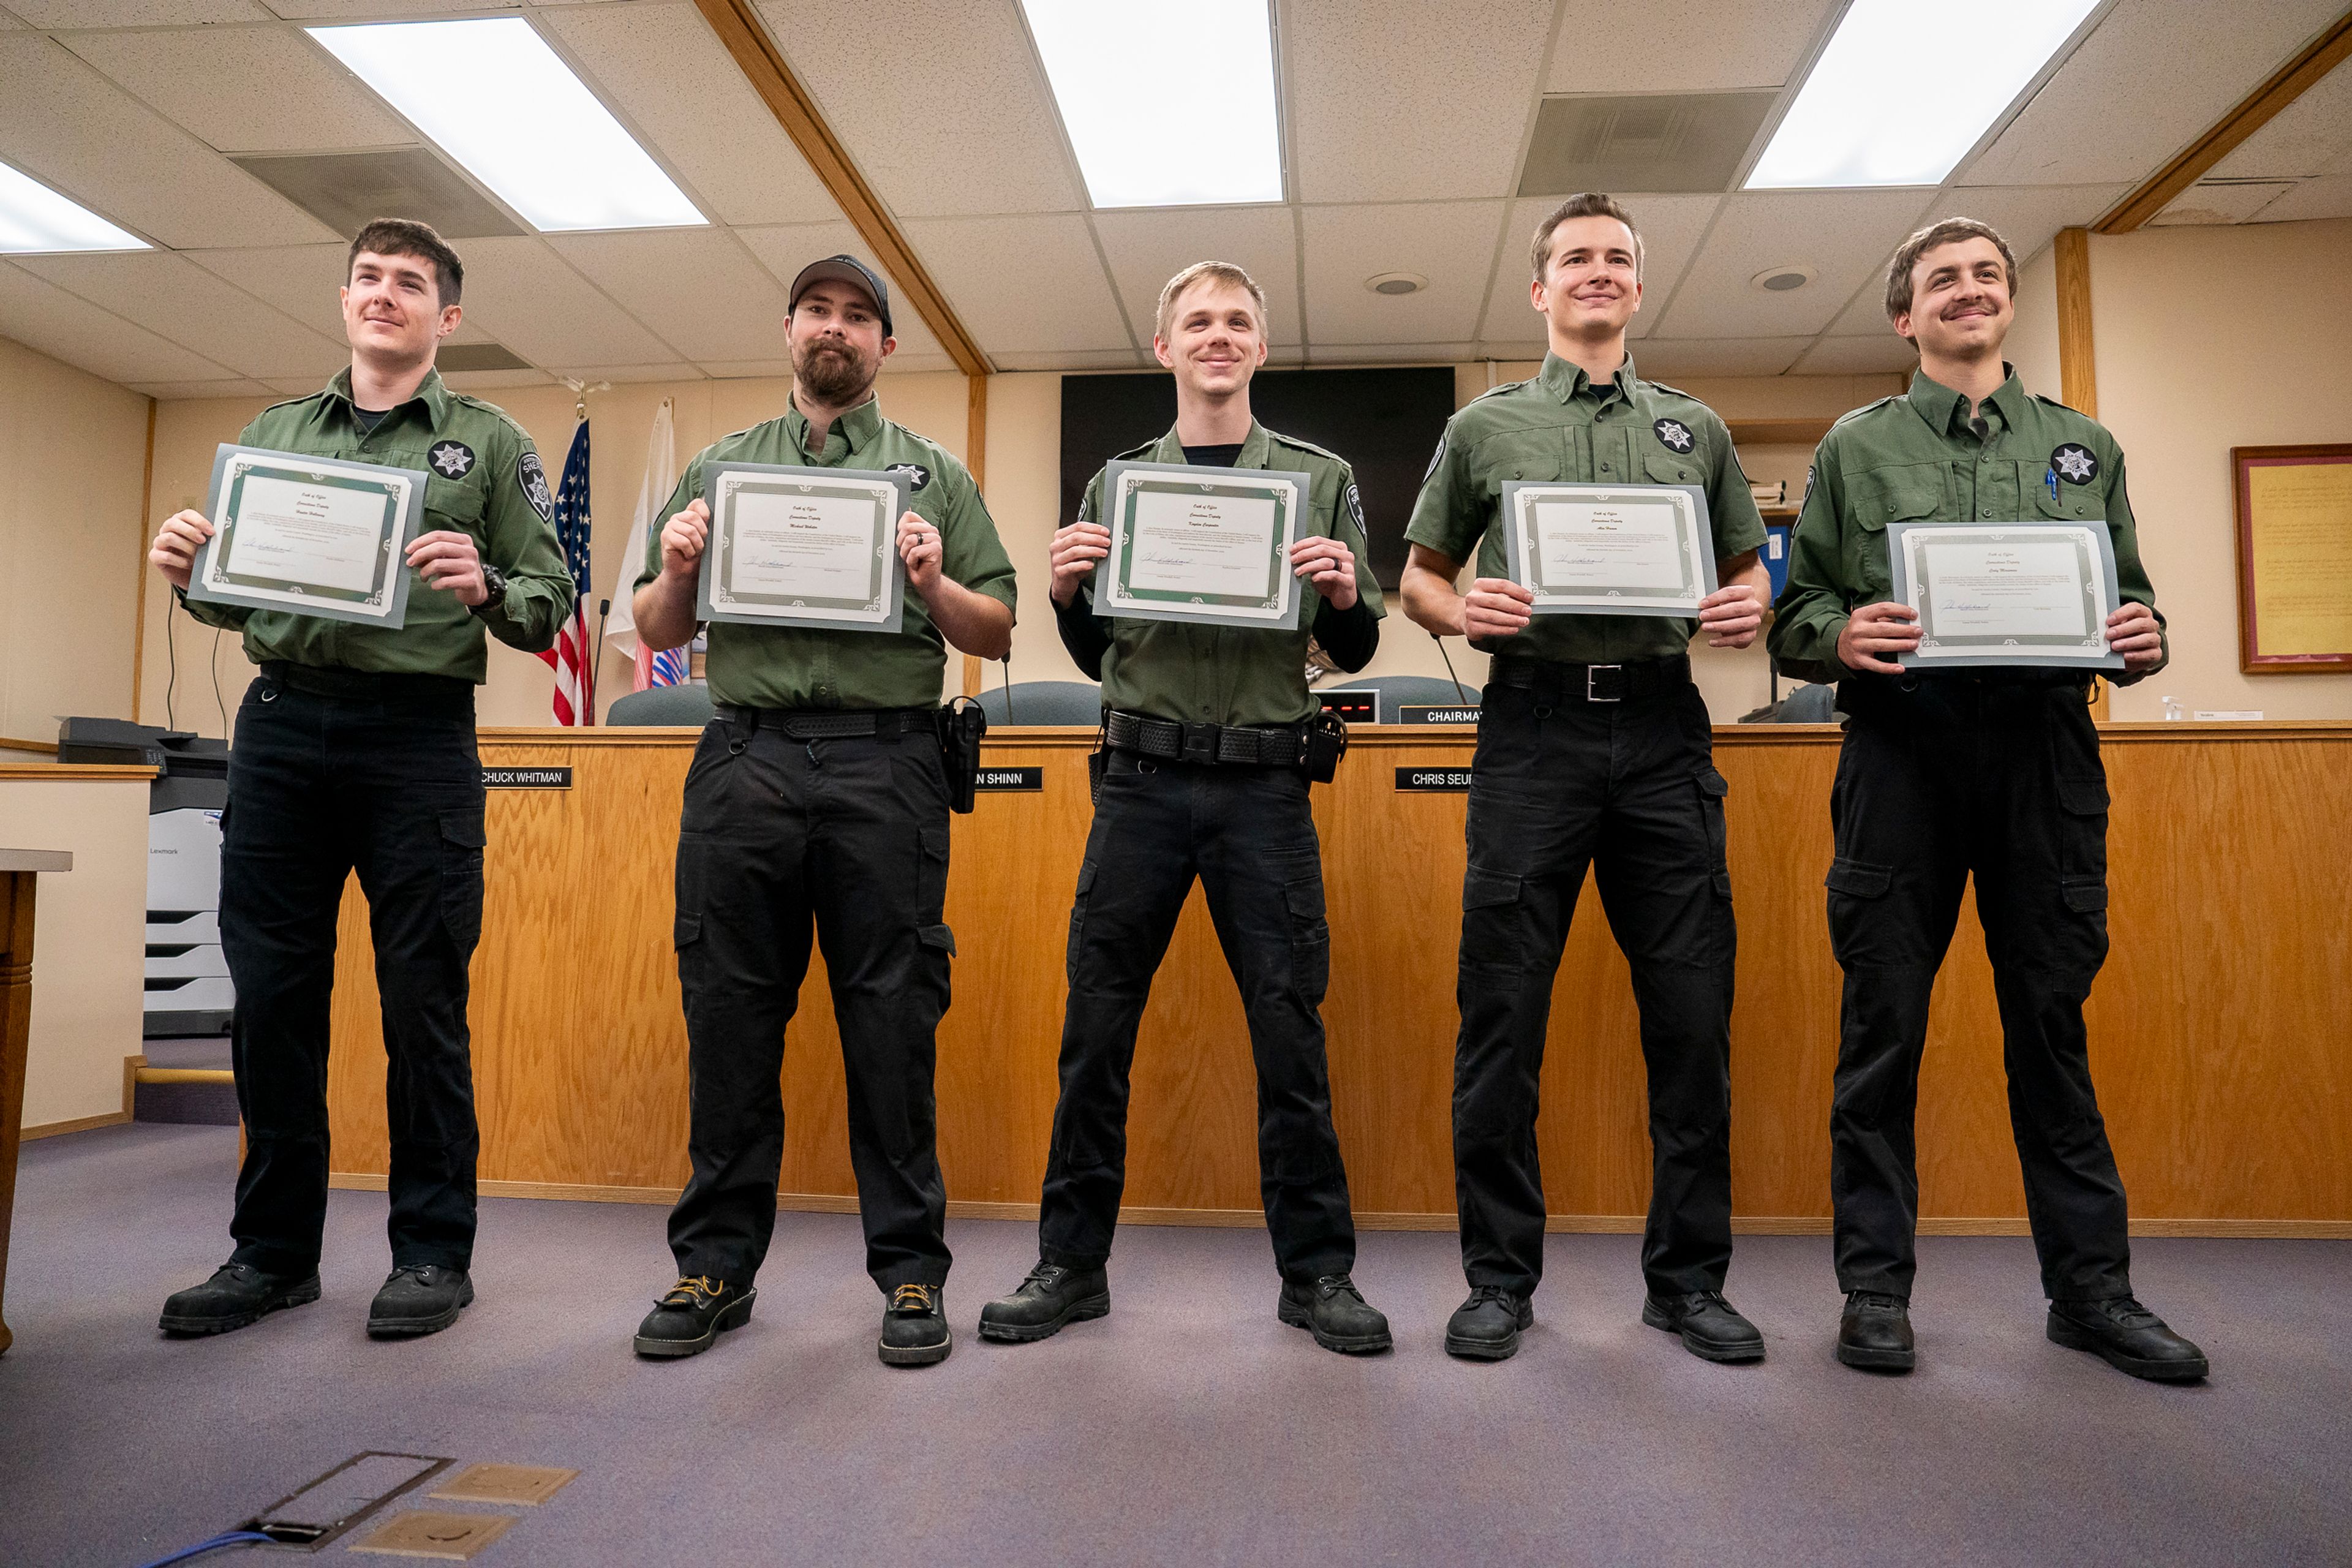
x=804, y=547
x=2006, y=593
x=2295, y=547
x=1210, y=545
x=1609, y=549
x=316, y=536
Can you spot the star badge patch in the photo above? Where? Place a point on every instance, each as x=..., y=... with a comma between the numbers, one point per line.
x=2075, y=463
x=1675, y=435
x=454, y=460
x=917, y=475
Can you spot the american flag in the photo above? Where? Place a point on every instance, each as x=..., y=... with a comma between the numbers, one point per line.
x=570, y=658
x=669, y=667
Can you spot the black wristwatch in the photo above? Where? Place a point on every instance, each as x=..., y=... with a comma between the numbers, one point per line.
x=494, y=582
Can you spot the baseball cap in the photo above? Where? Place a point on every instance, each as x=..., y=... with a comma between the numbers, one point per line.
x=845, y=269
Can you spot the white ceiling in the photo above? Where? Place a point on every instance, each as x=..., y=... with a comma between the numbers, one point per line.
x=1404, y=143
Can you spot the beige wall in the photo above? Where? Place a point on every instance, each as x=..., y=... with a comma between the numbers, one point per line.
x=73, y=453
x=90, y=931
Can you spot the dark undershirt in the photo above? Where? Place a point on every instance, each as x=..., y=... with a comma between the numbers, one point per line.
x=369, y=418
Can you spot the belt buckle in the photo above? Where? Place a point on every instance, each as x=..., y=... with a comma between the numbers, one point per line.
x=1592, y=686
x=1199, y=743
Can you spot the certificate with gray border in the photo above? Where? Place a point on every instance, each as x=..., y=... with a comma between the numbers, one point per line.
x=1207, y=545
x=804, y=547
x=2035, y=594
x=314, y=536
x=1609, y=549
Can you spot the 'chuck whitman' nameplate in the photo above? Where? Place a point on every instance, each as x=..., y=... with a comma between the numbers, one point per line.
x=526, y=778
x=1437, y=713
x=1440, y=781
x=1009, y=779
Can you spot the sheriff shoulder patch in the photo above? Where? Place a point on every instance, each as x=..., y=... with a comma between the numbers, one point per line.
x=533, y=481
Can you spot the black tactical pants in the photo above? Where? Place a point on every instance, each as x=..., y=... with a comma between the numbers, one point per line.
x=1247, y=833
x=1629, y=789
x=388, y=784
x=2000, y=779
x=850, y=834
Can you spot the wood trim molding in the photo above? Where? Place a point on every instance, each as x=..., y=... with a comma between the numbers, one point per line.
x=10, y=744
x=756, y=55
x=74, y=772
x=2078, y=371
x=2286, y=84
x=78, y=1125
x=1778, y=432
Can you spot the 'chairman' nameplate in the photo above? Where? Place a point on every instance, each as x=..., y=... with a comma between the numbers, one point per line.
x=1009, y=779
x=1437, y=713
x=1439, y=780
x=526, y=778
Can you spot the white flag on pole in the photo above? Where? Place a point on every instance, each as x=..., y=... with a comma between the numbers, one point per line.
x=653, y=493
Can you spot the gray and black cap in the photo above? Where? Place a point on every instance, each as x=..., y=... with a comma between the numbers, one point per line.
x=845, y=270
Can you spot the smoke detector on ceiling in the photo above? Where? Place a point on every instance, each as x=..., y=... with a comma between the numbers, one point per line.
x=1396, y=282
x=1782, y=280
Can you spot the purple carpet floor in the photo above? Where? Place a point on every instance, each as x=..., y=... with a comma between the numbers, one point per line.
x=1188, y=1427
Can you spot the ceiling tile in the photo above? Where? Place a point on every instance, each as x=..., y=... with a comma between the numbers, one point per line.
x=1671, y=226
x=303, y=281
x=2147, y=81
x=2211, y=201
x=1672, y=358
x=1424, y=101
x=40, y=315
x=1451, y=244
x=369, y=10
x=2307, y=137
x=619, y=374
x=63, y=122
x=495, y=380
x=529, y=299
x=784, y=250
x=2028, y=216
x=1146, y=248
x=1079, y=358
x=2329, y=197
x=698, y=289
x=719, y=137
x=1682, y=46
x=1844, y=236
x=1857, y=356
x=960, y=122
x=64, y=14
x=174, y=297
x=1022, y=284
x=291, y=386
x=1391, y=354
x=180, y=391
x=247, y=89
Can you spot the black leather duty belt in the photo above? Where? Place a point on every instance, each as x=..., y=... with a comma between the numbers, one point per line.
x=1593, y=682
x=827, y=724
x=1270, y=746
x=367, y=685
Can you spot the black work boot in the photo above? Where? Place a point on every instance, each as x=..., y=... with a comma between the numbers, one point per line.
x=422, y=1299
x=2127, y=1337
x=1051, y=1297
x=1336, y=1313
x=915, y=1327
x=1874, y=1332
x=690, y=1318
x=1487, y=1326
x=1711, y=1328
x=235, y=1295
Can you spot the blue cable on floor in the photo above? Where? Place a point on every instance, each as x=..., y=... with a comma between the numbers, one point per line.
x=232, y=1537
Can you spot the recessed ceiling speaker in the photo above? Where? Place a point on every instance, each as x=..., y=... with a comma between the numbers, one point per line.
x=1782, y=280
x=1396, y=282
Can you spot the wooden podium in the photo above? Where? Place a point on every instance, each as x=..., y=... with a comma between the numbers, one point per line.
x=18, y=869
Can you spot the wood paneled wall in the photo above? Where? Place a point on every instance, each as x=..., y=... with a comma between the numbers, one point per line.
x=2222, y=1069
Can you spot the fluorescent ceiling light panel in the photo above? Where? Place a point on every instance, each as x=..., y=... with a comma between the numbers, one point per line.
x=498, y=99
x=1169, y=103
x=35, y=219
x=1905, y=89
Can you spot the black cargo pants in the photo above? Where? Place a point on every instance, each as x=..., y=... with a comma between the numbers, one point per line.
x=1942, y=776
x=1246, y=833
x=849, y=834
x=377, y=775
x=1628, y=788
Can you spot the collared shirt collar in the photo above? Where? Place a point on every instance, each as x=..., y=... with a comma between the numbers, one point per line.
x=431, y=392
x=859, y=427
x=1255, y=448
x=1945, y=411
x=1564, y=379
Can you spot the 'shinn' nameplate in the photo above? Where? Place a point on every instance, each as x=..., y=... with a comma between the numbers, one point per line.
x=526, y=778
x=1455, y=780
x=1009, y=778
x=1431, y=714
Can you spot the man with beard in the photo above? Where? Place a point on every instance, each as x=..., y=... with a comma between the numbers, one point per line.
x=1944, y=774
x=819, y=795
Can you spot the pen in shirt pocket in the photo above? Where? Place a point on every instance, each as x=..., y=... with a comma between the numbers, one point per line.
x=2050, y=476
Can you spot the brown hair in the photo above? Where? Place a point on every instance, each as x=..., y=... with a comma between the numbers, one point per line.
x=1898, y=272
x=406, y=236
x=1220, y=271
x=1585, y=204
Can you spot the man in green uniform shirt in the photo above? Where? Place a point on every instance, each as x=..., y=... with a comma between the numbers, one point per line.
x=819, y=794
x=354, y=750
x=1945, y=774
x=1207, y=728
x=1594, y=750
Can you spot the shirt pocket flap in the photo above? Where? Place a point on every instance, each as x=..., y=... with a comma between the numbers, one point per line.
x=1666, y=469
x=1857, y=880
x=1895, y=495
x=2072, y=502
x=458, y=503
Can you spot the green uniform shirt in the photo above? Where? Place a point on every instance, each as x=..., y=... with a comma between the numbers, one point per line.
x=817, y=666
x=1917, y=457
x=1564, y=429
x=1234, y=675
x=485, y=482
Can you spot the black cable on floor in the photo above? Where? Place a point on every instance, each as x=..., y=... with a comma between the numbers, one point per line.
x=229, y=1538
